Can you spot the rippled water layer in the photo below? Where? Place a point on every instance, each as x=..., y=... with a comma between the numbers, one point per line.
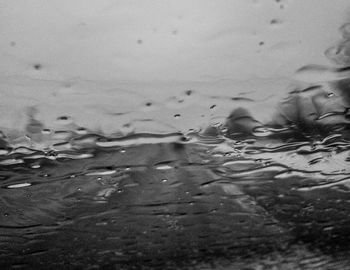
x=197, y=200
x=214, y=136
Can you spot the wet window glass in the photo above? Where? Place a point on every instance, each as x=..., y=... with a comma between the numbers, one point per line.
x=175, y=134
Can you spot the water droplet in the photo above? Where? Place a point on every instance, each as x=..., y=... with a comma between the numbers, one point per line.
x=189, y=92
x=37, y=66
x=107, y=172
x=163, y=167
x=64, y=120
x=122, y=151
x=81, y=131
x=330, y=95
x=99, y=224
x=212, y=106
x=261, y=43
x=46, y=131
x=127, y=128
x=36, y=166
x=6, y=214
x=275, y=21
x=164, y=180
x=177, y=115
x=224, y=129
x=21, y=185
x=139, y=41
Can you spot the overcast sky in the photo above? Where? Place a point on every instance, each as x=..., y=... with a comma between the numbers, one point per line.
x=62, y=56
x=164, y=39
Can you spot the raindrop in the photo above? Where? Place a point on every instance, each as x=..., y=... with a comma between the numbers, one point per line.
x=37, y=66
x=36, y=166
x=62, y=118
x=21, y=185
x=330, y=95
x=46, y=131
x=261, y=43
x=81, y=131
x=139, y=41
x=163, y=167
x=107, y=172
x=6, y=214
x=148, y=104
x=275, y=21
x=177, y=115
x=122, y=151
x=189, y=92
x=164, y=180
x=212, y=106
x=224, y=129
x=127, y=128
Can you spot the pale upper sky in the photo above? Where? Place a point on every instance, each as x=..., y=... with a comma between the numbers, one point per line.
x=63, y=57
x=165, y=39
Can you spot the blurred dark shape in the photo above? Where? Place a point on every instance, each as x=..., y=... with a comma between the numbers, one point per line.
x=340, y=53
x=312, y=112
x=240, y=123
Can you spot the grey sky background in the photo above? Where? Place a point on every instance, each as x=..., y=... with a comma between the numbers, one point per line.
x=64, y=57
